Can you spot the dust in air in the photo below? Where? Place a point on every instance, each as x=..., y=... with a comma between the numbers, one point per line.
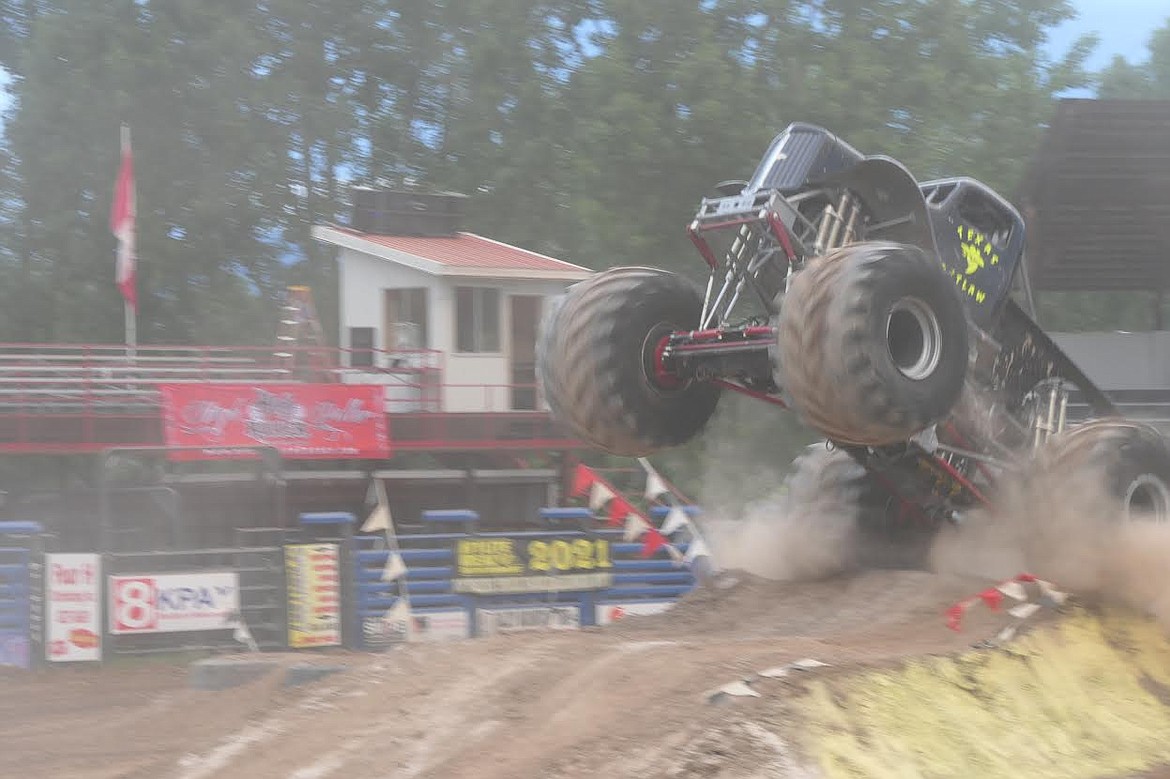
x=1059, y=526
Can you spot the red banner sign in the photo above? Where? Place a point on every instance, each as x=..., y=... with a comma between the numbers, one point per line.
x=304, y=421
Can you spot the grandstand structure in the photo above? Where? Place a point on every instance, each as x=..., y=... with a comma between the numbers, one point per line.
x=1096, y=201
x=438, y=331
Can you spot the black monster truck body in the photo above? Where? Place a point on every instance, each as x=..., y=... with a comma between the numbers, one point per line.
x=879, y=308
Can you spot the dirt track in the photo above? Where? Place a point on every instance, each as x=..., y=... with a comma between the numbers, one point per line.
x=627, y=700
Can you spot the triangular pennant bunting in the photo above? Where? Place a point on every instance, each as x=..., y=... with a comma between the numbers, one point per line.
x=599, y=495
x=394, y=567
x=1048, y=591
x=244, y=636
x=992, y=597
x=379, y=519
x=652, y=543
x=697, y=549
x=655, y=486
x=619, y=507
x=1024, y=610
x=676, y=520
x=1013, y=590
x=635, y=527
x=399, y=614
x=955, y=615
x=738, y=689
x=583, y=479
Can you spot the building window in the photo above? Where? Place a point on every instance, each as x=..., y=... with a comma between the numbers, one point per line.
x=361, y=342
x=406, y=319
x=477, y=319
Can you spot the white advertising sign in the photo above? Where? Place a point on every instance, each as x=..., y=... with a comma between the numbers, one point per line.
x=174, y=602
x=73, y=586
x=440, y=625
x=509, y=620
x=608, y=613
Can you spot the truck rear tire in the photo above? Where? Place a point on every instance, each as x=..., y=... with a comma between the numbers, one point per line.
x=872, y=343
x=831, y=484
x=597, y=361
x=1132, y=459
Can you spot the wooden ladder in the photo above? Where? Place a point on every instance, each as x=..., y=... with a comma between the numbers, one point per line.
x=300, y=327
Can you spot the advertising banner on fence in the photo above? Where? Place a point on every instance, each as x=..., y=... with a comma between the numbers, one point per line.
x=16, y=609
x=500, y=565
x=15, y=650
x=608, y=613
x=516, y=619
x=174, y=602
x=306, y=421
x=448, y=625
x=314, y=595
x=73, y=598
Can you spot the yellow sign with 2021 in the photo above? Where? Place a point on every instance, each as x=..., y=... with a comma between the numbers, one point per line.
x=501, y=565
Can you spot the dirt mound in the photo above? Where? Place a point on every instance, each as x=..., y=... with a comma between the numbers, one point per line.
x=737, y=603
x=628, y=700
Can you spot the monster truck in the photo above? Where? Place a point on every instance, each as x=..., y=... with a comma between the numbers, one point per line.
x=891, y=315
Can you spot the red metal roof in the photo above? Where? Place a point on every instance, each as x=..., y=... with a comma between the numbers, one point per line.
x=467, y=250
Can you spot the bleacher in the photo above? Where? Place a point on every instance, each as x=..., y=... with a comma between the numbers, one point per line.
x=45, y=379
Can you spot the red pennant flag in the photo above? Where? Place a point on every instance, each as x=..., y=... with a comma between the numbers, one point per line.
x=654, y=541
x=122, y=224
x=583, y=479
x=955, y=616
x=619, y=509
x=992, y=597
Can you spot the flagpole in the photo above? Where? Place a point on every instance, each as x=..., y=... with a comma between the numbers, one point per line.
x=131, y=329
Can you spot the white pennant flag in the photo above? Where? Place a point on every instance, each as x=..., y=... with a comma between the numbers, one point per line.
x=244, y=636
x=379, y=519
x=1048, y=591
x=1014, y=590
x=1024, y=610
x=675, y=520
x=655, y=486
x=399, y=615
x=738, y=689
x=599, y=495
x=635, y=527
x=697, y=549
x=394, y=567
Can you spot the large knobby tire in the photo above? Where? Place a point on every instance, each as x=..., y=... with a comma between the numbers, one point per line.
x=872, y=343
x=1130, y=459
x=597, y=362
x=829, y=483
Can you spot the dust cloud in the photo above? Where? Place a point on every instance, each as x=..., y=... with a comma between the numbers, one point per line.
x=774, y=540
x=804, y=528
x=1065, y=528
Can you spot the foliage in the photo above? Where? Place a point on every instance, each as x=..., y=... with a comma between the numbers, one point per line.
x=1145, y=80
x=586, y=129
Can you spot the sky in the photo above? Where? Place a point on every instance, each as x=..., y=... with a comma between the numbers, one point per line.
x=1124, y=27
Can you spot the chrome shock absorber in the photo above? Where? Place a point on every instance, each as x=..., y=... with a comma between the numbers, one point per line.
x=1051, y=412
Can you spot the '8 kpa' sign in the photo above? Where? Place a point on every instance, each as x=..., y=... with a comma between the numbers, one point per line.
x=163, y=603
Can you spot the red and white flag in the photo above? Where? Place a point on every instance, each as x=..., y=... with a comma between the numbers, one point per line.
x=122, y=214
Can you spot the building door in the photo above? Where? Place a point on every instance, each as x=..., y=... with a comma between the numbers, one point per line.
x=525, y=323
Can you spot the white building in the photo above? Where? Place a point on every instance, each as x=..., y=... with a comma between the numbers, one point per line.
x=474, y=302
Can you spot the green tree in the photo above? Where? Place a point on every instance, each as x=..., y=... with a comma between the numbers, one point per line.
x=1149, y=79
